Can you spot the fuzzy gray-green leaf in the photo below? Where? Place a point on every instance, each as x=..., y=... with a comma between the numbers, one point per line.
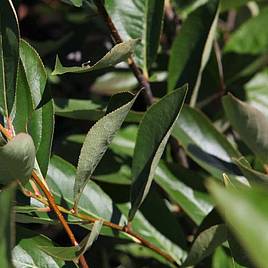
x=96, y=143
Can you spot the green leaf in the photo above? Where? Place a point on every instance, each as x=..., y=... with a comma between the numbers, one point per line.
x=256, y=91
x=139, y=19
x=184, y=8
x=93, y=201
x=28, y=251
x=141, y=225
x=33, y=113
x=73, y=253
x=230, y=4
x=96, y=143
x=205, y=144
x=159, y=122
x=221, y=259
x=35, y=71
x=114, y=82
x=192, y=46
x=116, y=55
x=193, y=202
x=7, y=224
x=76, y=3
x=251, y=37
x=9, y=56
x=250, y=123
x=87, y=110
x=44, y=150
x=17, y=159
x=205, y=244
x=251, y=174
x=173, y=179
x=235, y=206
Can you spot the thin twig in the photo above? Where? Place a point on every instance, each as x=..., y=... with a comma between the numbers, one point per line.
x=51, y=203
x=143, y=81
x=89, y=219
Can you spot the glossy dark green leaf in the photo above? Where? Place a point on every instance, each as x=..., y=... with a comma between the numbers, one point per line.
x=93, y=201
x=256, y=91
x=250, y=123
x=142, y=226
x=192, y=47
x=205, y=144
x=87, y=110
x=116, y=55
x=30, y=115
x=251, y=37
x=206, y=243
x=195, y=203
x=153, y=134
x=28, y=251
x=9, y=56
x=35, y=71
x=139, y=19
x=73, y=253
x=236, y=205
x=17, y=159
x=6, y=230
x=96, y=143
x=44, y=150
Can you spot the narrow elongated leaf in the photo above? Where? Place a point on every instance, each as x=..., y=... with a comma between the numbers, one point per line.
x=35, y=71
x=9, y=56
x=251, y=37
x=153, y=134
x=73, y=253
x=95, y=202
x=139, y=19
x=251, y=174
x=116, y=55
x=87, y=110
x=6, y=227
x=192, y=47
x=44, y=150
x=28, y=251
x=17, y=159
x=96, y=143
x=250, y=123
x=30, y=114
x=205, y=144
x=235, y=206
x=206, y=243
x=195, y=203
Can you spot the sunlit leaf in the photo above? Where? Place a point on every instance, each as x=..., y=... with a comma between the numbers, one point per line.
x=153, y=134
x=250, y=123
x=116, y=55
x=96, y=143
